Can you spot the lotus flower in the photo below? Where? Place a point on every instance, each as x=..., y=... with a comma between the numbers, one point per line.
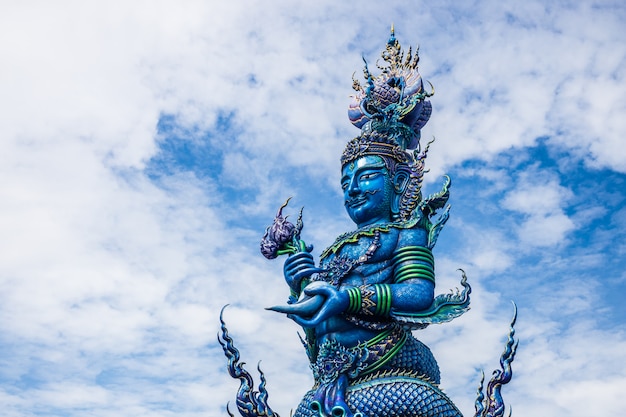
x=282, y=236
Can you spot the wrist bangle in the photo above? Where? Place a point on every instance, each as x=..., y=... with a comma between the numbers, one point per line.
x=383, y=300
x=370, y=300
x=354, y=297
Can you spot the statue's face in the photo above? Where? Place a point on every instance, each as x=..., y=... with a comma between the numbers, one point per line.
x=367, y=190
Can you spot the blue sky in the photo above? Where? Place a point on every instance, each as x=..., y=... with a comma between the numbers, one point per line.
x=146, y=146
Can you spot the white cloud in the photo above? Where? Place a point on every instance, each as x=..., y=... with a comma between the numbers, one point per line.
x=541, y=200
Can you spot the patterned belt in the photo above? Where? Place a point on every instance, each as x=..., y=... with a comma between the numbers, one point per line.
x=334, y=359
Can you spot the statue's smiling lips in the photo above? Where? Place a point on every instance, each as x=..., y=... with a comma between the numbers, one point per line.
x=356, y=201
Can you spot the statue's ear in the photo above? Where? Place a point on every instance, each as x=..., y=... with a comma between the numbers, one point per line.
x=400, y=181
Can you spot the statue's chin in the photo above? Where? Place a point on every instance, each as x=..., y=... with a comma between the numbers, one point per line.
x=365, y=216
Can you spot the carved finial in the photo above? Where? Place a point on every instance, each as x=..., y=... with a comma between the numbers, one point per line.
x=492, y=404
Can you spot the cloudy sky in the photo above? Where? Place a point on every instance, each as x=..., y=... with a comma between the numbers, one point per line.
x=146, y=145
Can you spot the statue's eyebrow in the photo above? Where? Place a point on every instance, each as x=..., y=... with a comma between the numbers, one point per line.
x=373, y=165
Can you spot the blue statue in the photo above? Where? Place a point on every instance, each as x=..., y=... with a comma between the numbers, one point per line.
x=375, y=285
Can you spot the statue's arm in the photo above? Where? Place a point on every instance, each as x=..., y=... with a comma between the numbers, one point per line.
x=413, y=278
x=378, y=300
x=409, y=289
x=372, y=300
x=407, y=297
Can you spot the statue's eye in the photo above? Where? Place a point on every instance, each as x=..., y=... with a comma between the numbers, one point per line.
x=344, y=186
x=369, y=176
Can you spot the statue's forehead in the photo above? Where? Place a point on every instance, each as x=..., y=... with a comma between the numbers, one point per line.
x=367, y=161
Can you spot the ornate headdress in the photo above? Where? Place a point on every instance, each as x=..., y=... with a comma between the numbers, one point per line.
x=390, y=111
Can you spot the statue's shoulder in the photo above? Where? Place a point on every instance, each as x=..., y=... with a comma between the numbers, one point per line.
x=417, y=235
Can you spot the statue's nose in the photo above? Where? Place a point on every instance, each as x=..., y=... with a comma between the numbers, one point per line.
x=353, y=189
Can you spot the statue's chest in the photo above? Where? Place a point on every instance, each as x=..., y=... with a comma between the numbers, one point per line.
x=364, y=261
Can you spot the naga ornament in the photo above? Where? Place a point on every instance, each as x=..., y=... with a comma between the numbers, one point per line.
x=362, y=301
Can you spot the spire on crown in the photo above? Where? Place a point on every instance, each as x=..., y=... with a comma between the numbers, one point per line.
x=392, y=104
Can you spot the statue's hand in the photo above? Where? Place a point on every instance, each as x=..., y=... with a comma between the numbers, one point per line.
x=297, y=267
x=335, y=302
